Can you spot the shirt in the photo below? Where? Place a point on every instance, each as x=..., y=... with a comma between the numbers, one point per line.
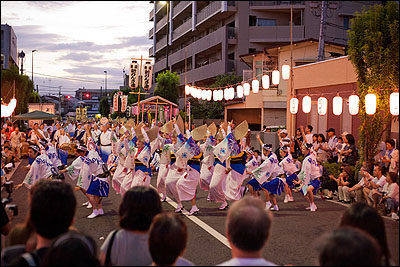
x=247, y=262
x=288, y=165
x=105, y=138
x=393, y=191
x=63, y=139
x=15, y=139
x=332, y=144
x=309, y=138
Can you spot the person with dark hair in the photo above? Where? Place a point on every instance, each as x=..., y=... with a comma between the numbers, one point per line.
x=322, y=148
x=138, y=207
x=349, y=152
x=72, y=249
x=307, y=135
x=345, y=181
x=298, y=142
x=392, y=197
x=374, y=185
x=391, y=158
x=366, y=218
x=332, y=141
x=348, y=246
x=51, y=213
x=247, y=228
x=168, y=239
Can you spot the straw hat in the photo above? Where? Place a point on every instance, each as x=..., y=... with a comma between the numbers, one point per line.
x=199, y=132
x=220, y=136
x=167, y=127
x=124, y=119
x=241, y=130
x=103, y=120
x=212, y=128
x=152, y=133
x=121, y=131
x=179, y=122
x=130, y=123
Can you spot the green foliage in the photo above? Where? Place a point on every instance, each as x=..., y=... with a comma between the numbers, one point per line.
x=34, y=98
x=23, y=88
x=167, y=86
x=334, y=168
x=183, y=114
x=202, y=109
x=374, y=52
x=104, y=107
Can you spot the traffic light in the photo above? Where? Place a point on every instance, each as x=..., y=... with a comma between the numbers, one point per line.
x=68, y=97
x=87, y=95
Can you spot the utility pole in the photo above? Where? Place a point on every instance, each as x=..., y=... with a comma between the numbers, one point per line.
x=59, y=99
x=322, y=29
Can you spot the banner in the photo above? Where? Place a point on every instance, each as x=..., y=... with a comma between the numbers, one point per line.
x=78, y=114
x=134, y=110
x=134, y=74
x=115, y=102
x=147, y=75
x=124, y=102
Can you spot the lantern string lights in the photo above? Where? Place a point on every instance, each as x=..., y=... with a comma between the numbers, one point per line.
x=306, y=104
x=337, y=105
x=322, y=105
x=370, y=103
x=394, y=103
x=354, y=102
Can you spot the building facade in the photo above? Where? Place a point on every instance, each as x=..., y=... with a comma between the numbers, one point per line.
x=9, y=54
x=209, y=36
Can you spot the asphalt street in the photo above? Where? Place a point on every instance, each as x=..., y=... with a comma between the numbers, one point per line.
x=293, y=234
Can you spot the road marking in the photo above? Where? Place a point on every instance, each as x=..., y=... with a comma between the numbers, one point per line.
x=221, y=238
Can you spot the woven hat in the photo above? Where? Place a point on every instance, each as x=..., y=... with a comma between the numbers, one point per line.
x=241, y=130
x=152, y=133
x=179, y=122
x=167, y=127
x=212, y=128
x=124, y=119
x=220, y=136
x=121, y=131
x=103, y=120
x=138, y=132
x=130, y=123
x=199, y=132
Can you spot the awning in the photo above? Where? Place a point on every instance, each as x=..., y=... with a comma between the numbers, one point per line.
x=35, y=115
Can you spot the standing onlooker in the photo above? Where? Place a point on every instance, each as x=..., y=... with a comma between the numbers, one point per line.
x=349, y=153
x=332, y=141
x=322, y=148
x=167, y=240
x=364, y=217
x=138, y=207
x=15, y=139
x=344, y=181
x=339, y=148
x=298, y=142
x=307, y=135
x=247, y=229
x=392, y=196
x=391, y=158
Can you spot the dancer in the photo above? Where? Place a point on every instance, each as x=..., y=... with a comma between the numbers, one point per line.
x=104, y=143
x=165, y=163
x=207, y=166
x=290, y=170
x=142, y=174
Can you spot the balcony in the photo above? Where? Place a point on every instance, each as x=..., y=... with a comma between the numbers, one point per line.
x=151, y=54
x=160, y=24
x=151, y=33
x=182, y=29
x=265, y=34
x=151, y=15
x=208, y=11
x=159, y=6
x=161, y=43
x=204, y=72
x=180, y=7
x=274, y=5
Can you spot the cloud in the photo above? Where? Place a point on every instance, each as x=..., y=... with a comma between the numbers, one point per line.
x=32, y=36
x=50, y=5
x=80, y=57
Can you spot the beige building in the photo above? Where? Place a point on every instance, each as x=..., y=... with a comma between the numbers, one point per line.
x=212, y=35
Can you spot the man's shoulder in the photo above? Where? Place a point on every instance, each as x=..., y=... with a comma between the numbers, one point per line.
x=247, y=262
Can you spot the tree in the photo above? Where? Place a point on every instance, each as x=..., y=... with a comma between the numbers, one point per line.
x=104, y=107
x=211, y=109
x=23, y=88
x=167, y=86
x=374, y=52
x=34, y=98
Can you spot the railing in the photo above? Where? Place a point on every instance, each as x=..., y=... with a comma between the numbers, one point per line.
x=180, y=6
x=231, y=3
x=151, y=32
x=274, y=3
x=231, y=32
x=231, y=65
x=159, y=6
x=151, y=52
x=208, y=11
x=161, y=23
x=151, y=14
x=161, y=43
x=182, y=28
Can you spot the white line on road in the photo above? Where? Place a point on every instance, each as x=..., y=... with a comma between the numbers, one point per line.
x=221, y=238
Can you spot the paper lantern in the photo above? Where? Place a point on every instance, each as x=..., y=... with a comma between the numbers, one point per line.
x=7, y=110
x=215, y=95
x=294, y=105
x=187, y=89
x=275, y=77
x=306, y=104
x=337, y=104
x=239, y=91
x=394, y=103
x=209, y=95
x=203, y=94
x=354, y=101
x=285, y=72
x=246, y=89
x=226, y=94
x=322, y=105
x=255, y=85
x=370, y=104
x=221, y=95
x=265, y=81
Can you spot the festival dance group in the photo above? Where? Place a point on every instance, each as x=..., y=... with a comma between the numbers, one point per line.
x=215, y=159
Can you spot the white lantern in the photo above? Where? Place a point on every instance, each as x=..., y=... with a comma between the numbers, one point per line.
x=226, y=94
x=255, y=85
x=337, y=104
x=246, y=89
x=203, y=94
x=239, y=91
x=187, y=88
x=285, y=72
x=306, y=104
x=193, y=91
x=232, y=92
x=370, y=104
x=322, y=104
x=275, y=77
x=265, y=81
x=394, y=103
x=215, y=95
x=209, y=95
x=221, y=95
x=354, y=101
x=294, y=105
x=196, y=93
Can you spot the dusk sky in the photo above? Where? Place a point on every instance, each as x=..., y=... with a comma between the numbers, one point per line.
x=79, y=40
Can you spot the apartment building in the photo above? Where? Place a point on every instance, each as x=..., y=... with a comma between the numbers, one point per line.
x=9, y=55
x=213, y=35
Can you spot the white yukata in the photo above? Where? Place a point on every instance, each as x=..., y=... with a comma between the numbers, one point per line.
x=207, y=166
x=142, y=176
x=129, y=151
x=309, y=173
x=92, y=166
x=53, y=156
x=105, y=145
x=74, y=169
x=289, y=168
x=40, y=169
x=165, y=162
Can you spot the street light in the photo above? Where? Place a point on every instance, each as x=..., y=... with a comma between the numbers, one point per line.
x=166, y=49
x=105, y=82
x=32, y=67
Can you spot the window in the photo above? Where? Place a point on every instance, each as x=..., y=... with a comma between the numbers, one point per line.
x=346, y=21
x=252, y=20
x=266, y=22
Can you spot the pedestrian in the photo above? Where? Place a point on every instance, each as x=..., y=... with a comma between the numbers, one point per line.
x=16, y=139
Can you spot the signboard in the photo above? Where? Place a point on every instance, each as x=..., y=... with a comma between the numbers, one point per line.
x=78, y=114
x=84, y=113
x=124, y=102
x=134, y=74
x=115, y=102
x=147, y=75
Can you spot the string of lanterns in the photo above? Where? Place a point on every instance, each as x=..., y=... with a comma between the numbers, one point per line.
x=337, y=104
x=8, y=109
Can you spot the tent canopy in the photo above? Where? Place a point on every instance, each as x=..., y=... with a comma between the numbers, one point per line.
x=35, y=115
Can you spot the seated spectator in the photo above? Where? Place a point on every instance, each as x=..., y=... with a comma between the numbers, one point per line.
x=344, y=182
x=392, y=197
x=52, y=210
x=167, y=239
x=356, y=191
x=391, y=158
x=72, y=249
x=364, y=217
x=8, y=155
x=138, y=207
x=373, y=188
x=348, y=246
x=328, y=185
x=247, y=229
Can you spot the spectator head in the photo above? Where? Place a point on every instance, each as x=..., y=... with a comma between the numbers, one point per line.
x=390, y=144
x=72, y=249
x=315, y=138
x=138, y=208
x=309, y=129
x=346, y=170
x=305, y=148
x=33, y=151
x=331, y=132
x=167, y=238
x=264, y=127
x=344, y=135
x=298, y=131
x=340, y=139
x=321, y=138
x=391, y=177
x=348, y=246
x=350, y=139
x=248, y=225
x=366, y=218
x=52, y=208
x=378, y=171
